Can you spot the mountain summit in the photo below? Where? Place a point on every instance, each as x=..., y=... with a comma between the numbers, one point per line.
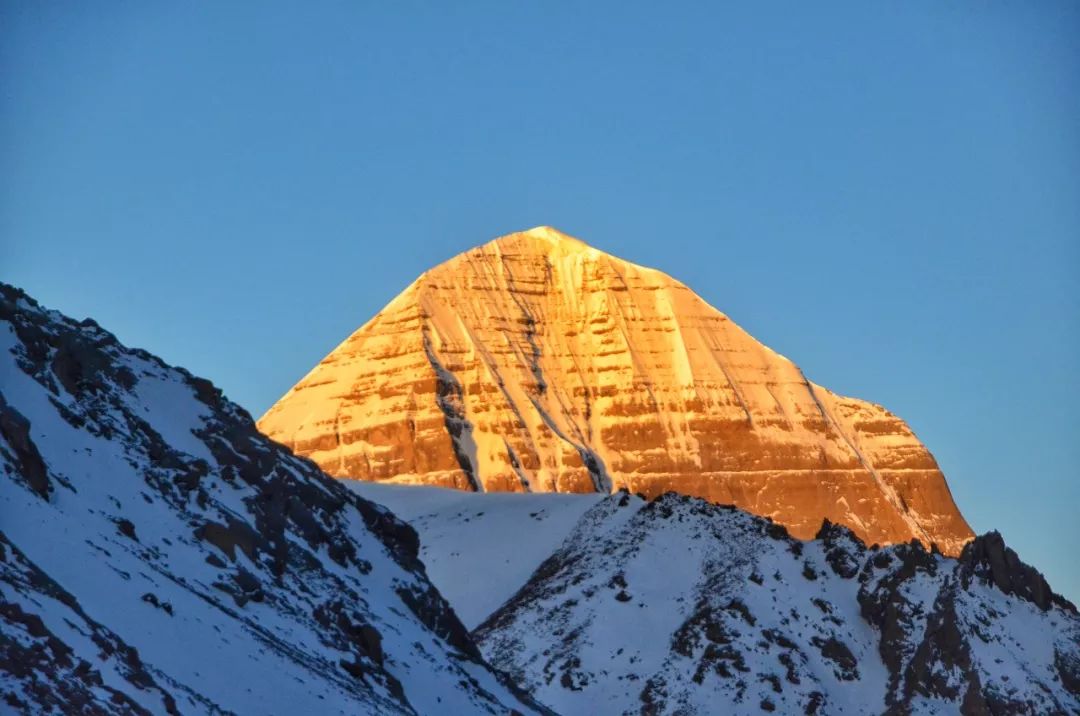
x=538, y=363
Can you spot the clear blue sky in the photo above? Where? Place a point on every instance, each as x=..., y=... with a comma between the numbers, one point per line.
x=889, y=196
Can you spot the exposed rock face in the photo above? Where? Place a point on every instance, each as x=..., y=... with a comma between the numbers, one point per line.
x=159, y=555
x=537, y=363
x=678, y=606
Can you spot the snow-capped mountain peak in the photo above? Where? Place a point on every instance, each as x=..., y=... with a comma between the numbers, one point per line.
x=536, y=363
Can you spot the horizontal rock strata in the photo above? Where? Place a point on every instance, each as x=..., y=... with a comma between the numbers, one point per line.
x=537, y=363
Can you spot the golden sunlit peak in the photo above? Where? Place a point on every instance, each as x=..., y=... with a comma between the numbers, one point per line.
x=577, y=371
x=550, y=233
x=545, y=231
x=543, y=239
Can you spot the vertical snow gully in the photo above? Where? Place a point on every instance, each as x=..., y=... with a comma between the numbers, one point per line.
x=451, y=400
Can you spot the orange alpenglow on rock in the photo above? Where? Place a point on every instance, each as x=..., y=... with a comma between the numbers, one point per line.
x=538, y=363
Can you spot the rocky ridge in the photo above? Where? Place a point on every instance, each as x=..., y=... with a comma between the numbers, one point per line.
x=159, y=555
x=537, y=363
x=679, y=606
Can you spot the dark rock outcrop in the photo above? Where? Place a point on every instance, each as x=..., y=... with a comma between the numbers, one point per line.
x=988, y=558
x=730, y=619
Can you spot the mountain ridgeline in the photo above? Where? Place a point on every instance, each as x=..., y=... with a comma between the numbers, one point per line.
x=699, y=529
x=679, y=606
x=159, y=555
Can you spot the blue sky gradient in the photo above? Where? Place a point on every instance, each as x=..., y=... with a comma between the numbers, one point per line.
x=887, y=193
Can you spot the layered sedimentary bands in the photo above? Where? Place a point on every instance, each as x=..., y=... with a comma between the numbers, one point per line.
x=538, y=363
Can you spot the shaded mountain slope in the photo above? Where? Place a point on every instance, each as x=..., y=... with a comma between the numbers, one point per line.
x=679, y=606
x=159, y=555
x=480, y=548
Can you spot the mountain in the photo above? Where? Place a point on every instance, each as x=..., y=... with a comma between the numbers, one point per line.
x=159, y=555
x=536, y=363
x=680, y=606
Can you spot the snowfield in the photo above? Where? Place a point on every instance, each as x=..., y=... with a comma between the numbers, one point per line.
x=475, y=572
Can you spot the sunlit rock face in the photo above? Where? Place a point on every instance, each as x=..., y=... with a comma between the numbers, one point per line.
x=537, y=363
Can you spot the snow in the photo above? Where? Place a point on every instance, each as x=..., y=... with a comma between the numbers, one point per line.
x=118, y=456
x=593, y=603
x=564, y=357
x=598, y=629
x=480, y=548
x=170, y=407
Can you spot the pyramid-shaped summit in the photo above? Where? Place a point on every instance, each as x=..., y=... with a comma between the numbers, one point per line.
x=538, y=363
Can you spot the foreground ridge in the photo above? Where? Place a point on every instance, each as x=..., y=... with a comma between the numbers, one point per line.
x=159, y=555
x=680, y=606
x=538, y=363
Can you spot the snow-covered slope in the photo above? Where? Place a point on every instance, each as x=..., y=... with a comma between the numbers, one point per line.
x=537, y=363
x=158, y=554
x=479, y=548
x=679, y=606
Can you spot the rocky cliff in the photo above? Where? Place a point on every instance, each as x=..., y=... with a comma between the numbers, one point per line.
x=678, y=606
x=537, y=363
